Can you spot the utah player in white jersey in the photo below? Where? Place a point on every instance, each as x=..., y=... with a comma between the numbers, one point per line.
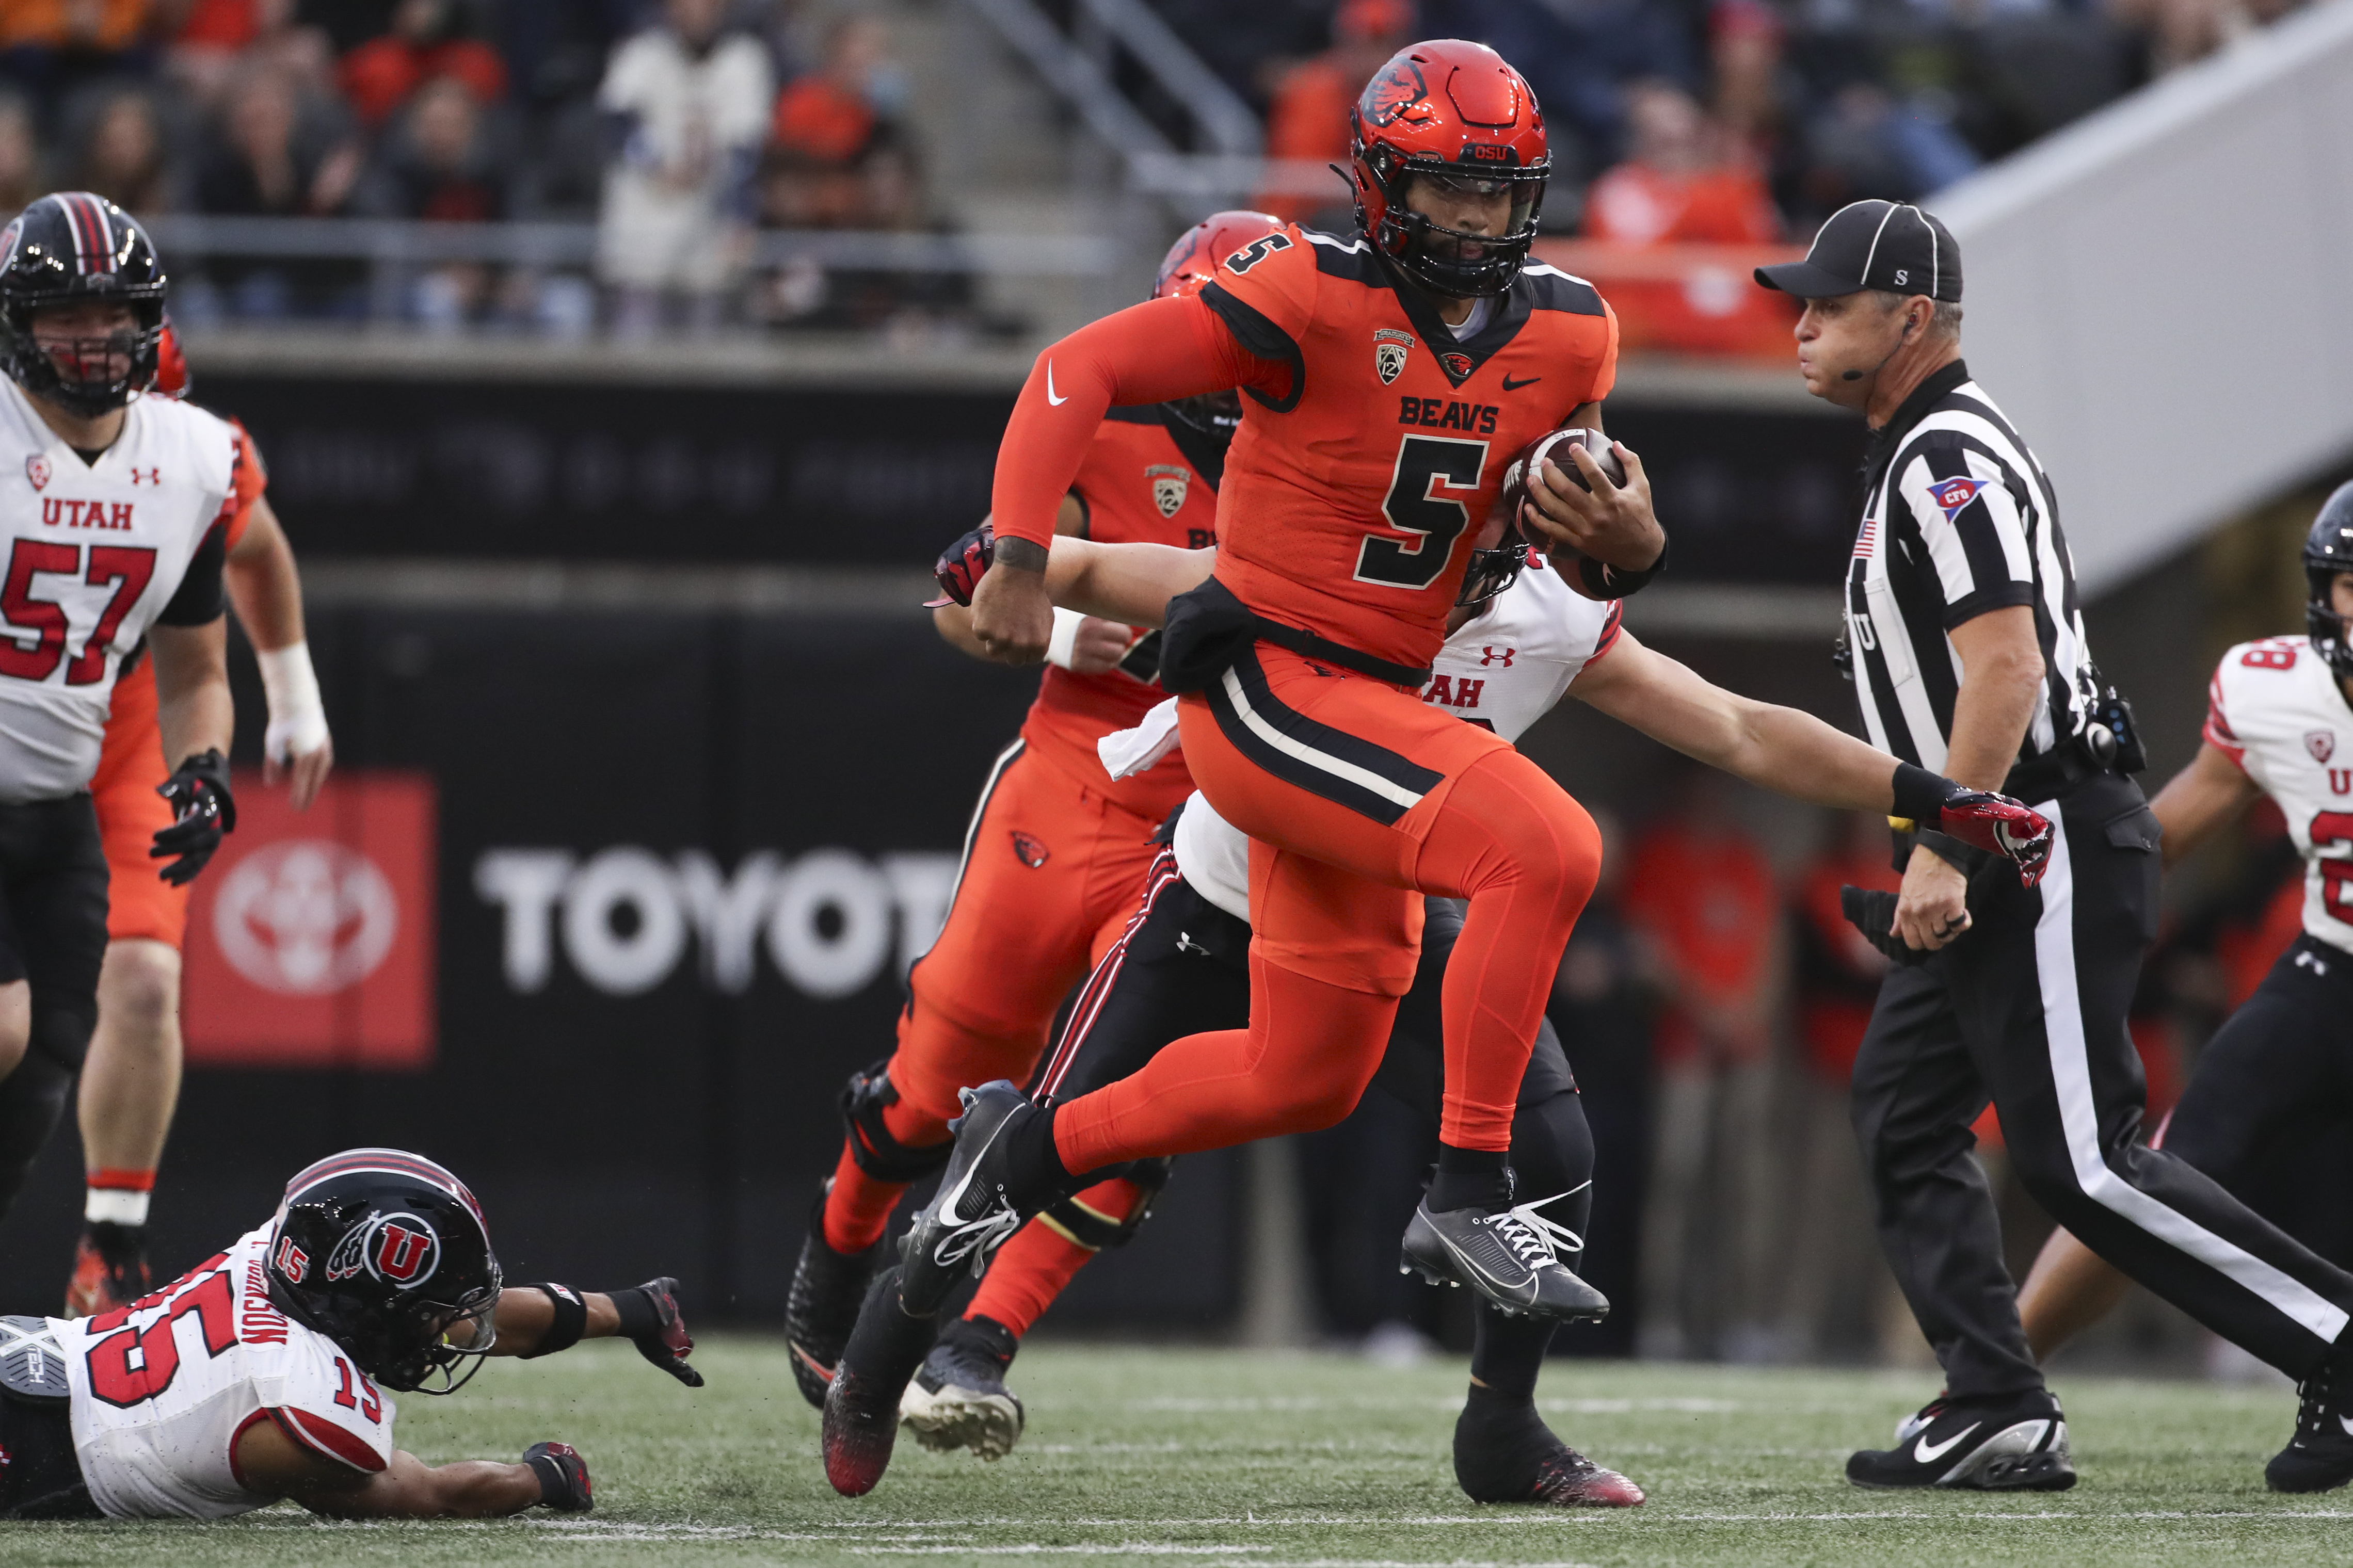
x=110, y=513
x=2279, y=724
x=267, y=1371
x=1181, y=969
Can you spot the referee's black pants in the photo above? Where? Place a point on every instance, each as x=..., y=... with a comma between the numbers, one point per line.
x=2028, y=1009
x=52, y=933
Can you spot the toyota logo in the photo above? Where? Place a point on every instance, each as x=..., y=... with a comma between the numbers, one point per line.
x=305, y=916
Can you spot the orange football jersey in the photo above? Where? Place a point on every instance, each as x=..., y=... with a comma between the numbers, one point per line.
x=1350, y=503
x=1148, y=478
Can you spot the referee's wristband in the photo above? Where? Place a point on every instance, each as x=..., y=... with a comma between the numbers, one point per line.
x=571, y=1320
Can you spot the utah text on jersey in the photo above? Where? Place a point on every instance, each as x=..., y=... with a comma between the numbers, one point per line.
x=2277, y=711
x=95, y=551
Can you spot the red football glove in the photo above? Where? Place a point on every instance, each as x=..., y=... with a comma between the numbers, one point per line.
x=2007, y=827
x=961, y=567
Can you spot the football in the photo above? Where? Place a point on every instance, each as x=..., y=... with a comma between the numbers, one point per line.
x=1554, y=447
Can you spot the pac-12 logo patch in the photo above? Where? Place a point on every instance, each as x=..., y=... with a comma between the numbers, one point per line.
x=1952, y=495
x=2321, y=744
x=1169, y=486
x=1029, y=851
x=36, y=468
x=1389, y=347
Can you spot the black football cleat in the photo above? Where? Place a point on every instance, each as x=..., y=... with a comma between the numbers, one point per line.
x=1504, y=1452
x=975, y=1211
x=1506, y=1254
x=2012, y=1442
x=861, y=1403
x=958, y=1399
x=2319, y=1458
x=827, y=1288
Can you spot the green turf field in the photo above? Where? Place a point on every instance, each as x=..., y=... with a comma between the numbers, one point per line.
x=1203, y=1456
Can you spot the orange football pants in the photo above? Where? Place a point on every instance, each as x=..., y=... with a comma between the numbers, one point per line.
x=1050, y=872
x=139, y=902
x=1359, y=798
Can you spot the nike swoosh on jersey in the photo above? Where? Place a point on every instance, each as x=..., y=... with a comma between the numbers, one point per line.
x=1056, y=402
x=1926, y=1454
x=1510, y=386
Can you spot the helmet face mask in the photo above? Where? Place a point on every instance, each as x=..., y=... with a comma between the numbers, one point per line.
x=385, y=1253
x=2328, y=550
x=1442, y=130
x=63, y=256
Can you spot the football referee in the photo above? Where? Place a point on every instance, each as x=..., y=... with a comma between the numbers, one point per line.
x=1970, y=659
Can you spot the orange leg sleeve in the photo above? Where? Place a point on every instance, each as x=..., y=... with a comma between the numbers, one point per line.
x=858, y=1207
x=1042, y=1260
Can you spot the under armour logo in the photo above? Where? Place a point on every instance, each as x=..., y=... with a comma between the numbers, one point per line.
x=1489, y=655
x=2312, y=961
x=1185, y=943
x=146, y=476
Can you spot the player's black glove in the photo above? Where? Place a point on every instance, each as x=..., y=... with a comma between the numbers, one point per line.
x=562, y=1477
x=1871, y=911
x=202, y=810
x=961, y=565
x=651, y=1320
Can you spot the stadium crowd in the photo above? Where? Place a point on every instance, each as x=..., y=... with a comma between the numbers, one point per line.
x=673, y=124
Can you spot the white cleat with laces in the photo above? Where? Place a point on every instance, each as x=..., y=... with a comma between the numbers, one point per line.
x=1507, y=1255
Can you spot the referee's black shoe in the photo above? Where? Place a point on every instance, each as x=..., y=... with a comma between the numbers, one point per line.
x=2319, y=1458
x=2012, y=1442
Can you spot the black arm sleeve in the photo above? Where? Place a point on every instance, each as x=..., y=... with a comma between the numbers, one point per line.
x=199, y=599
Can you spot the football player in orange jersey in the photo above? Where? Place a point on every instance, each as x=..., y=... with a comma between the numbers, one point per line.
x=1055, y=850
x=130, y=1079
x=1391, y=377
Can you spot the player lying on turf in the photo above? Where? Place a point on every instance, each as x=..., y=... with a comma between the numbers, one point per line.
x=2280, y=723
x=261, y=1372
x=1181, y=968
x=1052, y=856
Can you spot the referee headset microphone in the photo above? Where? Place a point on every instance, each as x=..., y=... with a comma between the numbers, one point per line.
x=1910, y=322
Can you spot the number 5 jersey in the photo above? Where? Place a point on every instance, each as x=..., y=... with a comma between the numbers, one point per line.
x=162, y=1390
x=97, y=553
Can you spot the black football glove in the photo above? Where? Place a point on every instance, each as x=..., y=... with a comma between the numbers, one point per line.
x=1871, y=911
x=202, y=810
x=562, y=1477
x=961, y=567
x=651, y=1320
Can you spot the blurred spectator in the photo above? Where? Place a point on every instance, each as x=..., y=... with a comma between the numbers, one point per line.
x=1864, y=142
x=881, y=193
x=221, y=37
x=427, y=41
x=267, y=162
x=691, y=105
x=1744, y=52
x=20, y=156
x=1578, y=55
x=2180, y=31
x=1703, y=895
x=1308, y=119
x=1250, y=43
x=122, y=155
x=439, y=165
x=49, y=46
x=830, y=116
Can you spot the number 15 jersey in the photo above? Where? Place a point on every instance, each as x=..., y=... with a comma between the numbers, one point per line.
x=1351, y=498
x=97, y=553
x=163, y=1388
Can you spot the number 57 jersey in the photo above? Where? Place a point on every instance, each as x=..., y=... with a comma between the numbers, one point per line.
x=163, y=1388
x=97, y=553
x=1350, y=501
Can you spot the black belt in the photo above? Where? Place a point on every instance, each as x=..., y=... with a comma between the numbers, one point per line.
x=1208, y=628
x=2052, y=774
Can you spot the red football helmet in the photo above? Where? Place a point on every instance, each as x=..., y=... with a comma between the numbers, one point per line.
x=1193, y=260
x=1453, y=111
x=172, y=378
x=1187, y=270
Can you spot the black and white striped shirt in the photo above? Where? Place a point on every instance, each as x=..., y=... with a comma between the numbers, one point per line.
x=1958, y=520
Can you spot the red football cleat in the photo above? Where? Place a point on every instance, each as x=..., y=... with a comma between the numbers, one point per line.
x=105, y=1278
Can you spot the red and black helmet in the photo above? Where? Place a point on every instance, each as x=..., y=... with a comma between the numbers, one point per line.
x=1187, y=270
x=1453, y=111
x=386, y=1254
x=69, y=247
x=1193, y=260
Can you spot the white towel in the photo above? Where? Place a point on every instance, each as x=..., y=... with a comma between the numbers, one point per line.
x=1127, y=752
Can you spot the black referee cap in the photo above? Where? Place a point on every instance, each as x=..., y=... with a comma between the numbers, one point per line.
x=1874, y=245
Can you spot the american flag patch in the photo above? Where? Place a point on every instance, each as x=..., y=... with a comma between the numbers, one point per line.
x=1864, y=540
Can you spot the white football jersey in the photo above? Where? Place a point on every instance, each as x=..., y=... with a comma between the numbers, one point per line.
x=2276, y=711
x=95, y=551
x=161, y=1393
x=1502, y=669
